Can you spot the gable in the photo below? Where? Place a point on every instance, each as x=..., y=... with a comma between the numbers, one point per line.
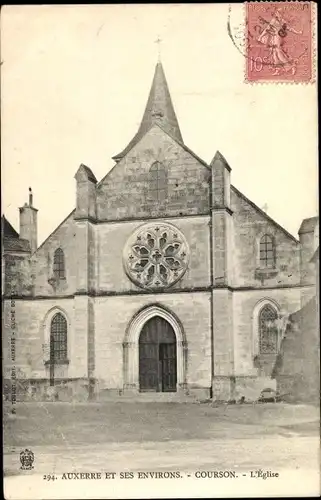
x=64, y=237
x=250, y=224
x=242, y=205
x=128, y=191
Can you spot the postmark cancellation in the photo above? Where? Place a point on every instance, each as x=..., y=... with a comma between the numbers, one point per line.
x=279, y=42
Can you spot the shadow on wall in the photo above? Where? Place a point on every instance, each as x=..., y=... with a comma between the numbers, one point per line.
x=297, y=367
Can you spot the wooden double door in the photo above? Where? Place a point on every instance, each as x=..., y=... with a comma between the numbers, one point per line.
x=157, y=356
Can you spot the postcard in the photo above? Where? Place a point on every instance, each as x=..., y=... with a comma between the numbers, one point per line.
x=160, y=249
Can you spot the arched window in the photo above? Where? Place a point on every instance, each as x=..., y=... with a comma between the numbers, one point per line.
x=58, y=338
x=267, y=251
x=268, y=330
x=59, y=264
x=158, y=181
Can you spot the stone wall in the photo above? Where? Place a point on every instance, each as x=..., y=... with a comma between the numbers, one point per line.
x=112, y=238
x=223, y=343
x=245, y=324
x=125, y=192
x=308, y=271
x=31, y=335
x=85, y=257
x=250, y=224
x=114, y=314
x=63, y=237
x=18, y=269
x=297, y=371
x=103, y=300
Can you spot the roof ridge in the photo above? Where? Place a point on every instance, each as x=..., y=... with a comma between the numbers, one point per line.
x=54, y=230
x=265, y=214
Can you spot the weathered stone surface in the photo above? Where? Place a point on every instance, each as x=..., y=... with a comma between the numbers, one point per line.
x=126, y=190
x=216, y=302
x=250, y=224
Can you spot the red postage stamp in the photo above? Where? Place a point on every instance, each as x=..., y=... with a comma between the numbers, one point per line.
x=279, y=42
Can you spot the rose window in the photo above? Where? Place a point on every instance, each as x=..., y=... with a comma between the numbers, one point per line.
x=156, y=256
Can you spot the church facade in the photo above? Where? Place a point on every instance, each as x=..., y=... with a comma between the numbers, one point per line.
x=165, y=278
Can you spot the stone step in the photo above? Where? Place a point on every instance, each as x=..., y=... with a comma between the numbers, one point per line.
x=144, y=397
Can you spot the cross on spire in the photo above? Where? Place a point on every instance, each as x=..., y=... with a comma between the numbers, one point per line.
x=159, y=41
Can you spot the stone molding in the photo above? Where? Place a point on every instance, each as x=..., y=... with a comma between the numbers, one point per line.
x=131, y=346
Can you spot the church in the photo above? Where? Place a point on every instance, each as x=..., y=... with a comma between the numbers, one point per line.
x=165, y=281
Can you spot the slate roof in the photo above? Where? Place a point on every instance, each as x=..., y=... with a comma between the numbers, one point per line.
x=15, y=245
x=10, y=238
x=7, y=229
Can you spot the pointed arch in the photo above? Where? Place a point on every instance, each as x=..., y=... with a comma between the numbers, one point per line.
x=148, y=312
x=64, y=326
x=52, y=311
x=58, y=338
x=131, y=345
x=266, y=331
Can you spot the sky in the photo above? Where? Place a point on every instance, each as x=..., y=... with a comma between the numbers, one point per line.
x=75, y=81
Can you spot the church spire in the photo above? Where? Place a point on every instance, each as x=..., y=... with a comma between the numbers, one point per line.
x=159, y=41
x=159, y=110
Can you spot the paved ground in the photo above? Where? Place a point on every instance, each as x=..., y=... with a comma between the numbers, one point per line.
x=151, y=436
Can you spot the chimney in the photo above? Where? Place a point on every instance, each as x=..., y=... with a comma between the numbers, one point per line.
x=28, y=222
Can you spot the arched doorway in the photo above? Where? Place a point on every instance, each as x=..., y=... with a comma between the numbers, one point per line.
x=157, y=356
x=131, y=347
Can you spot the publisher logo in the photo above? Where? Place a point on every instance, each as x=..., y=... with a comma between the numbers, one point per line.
x=26, y=458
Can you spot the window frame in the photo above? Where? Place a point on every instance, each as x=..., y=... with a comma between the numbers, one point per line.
x=267, y=248
x=63, y=340
x=158, y=183
x=272, y=311
x=59, y=264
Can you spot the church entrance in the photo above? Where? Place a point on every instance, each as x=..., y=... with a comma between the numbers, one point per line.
x=157, y=356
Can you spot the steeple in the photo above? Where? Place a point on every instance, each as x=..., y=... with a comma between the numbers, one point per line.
x=159, y=109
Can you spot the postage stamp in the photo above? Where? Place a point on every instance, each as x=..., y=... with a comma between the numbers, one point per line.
x=279, y=42
x=154, y=303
